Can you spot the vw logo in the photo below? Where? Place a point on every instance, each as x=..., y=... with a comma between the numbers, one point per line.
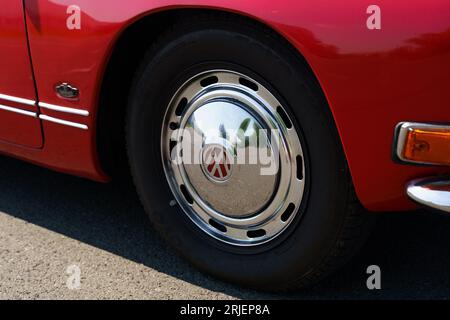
x=217, y=162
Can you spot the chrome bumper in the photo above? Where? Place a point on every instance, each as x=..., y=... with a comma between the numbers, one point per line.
x=431, y=192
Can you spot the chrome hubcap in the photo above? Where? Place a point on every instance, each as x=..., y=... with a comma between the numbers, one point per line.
x=232, y=157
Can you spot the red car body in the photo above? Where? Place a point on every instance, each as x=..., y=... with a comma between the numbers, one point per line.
x=373, y=79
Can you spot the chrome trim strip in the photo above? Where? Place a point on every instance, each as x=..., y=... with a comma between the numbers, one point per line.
x=19, y=111
x=403, y=128
x=63, y=109
x=18, y=100
x=431, y=192
x=63, y=122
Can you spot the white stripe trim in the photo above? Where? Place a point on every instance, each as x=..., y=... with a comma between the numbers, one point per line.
x=19, y=111
x=63, y=122
x=63, y=109
x=18, y=100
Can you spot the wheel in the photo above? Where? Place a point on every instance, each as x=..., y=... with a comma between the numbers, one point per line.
x=236, y=158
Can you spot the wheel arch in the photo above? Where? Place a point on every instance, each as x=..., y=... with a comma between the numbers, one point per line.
x=111, y=109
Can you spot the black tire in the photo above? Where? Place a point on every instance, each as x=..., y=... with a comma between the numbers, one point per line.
x=333, y=223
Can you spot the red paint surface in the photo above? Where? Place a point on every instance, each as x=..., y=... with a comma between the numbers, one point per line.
x=16, y=78
x=372, y=78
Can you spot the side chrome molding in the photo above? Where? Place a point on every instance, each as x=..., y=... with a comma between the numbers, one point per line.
x=53, y=107
x=19, y=111
x=63, y=122
x=44, y=105
x=18, y=100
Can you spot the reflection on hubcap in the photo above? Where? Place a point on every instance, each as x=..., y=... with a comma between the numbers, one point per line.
x=232, y=157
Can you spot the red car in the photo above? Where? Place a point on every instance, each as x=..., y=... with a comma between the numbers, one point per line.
x=259, y=134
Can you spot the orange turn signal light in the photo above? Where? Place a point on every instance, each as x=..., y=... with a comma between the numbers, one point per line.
x=424, y=143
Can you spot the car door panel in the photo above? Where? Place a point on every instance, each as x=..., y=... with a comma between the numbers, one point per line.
x=19, y=123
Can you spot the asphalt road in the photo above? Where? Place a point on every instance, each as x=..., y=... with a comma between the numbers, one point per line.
x=50, y=221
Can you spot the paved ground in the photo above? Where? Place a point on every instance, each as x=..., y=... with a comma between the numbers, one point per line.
x=49, y=221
